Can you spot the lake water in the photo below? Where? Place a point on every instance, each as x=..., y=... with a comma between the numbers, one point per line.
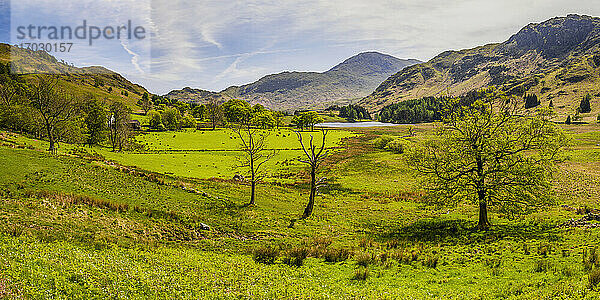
x=355, y=125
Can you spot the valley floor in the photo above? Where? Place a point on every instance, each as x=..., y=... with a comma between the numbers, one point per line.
x=89, y=223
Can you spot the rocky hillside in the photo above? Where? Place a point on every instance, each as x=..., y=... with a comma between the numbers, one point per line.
x=188, y=94
x=352, y=79
x=95, y=80
x=557, y=60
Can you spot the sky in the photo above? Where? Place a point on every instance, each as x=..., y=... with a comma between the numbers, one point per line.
x=215, y=44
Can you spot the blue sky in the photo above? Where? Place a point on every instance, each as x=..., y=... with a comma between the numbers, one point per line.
x=215, y=44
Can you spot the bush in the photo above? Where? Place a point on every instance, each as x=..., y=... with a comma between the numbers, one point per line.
x=431, y=262
x=594, y=278
x=382, y=141
x=336, y=255
x=363, y=258
x=188, y=122
x=266, y=254
x=155, y=120
x=542, y=266
x=296, y=256
x=362, y=273
x=590, y=261
x=398, y=145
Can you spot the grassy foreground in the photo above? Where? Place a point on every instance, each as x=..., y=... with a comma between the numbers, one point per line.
x=81, y=226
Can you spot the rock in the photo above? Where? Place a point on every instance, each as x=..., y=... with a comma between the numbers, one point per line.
x=238, y=177
x=204, y=226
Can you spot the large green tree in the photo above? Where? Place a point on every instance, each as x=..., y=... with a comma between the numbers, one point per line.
x=490, y=154
x=96, y=121
x=237, y=111
x=55, y=106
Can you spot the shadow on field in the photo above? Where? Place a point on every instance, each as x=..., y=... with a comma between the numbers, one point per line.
x=465, y=232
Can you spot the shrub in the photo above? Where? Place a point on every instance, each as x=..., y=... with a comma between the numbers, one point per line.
x=296, y=256
x=155, y=120
x=382, y=141
x=363, y=258
x=431, y=262
x=590, y=261
x=542, y=265
x=361, y=273
x=336, y=255
x=393, y=244
x=398, y=145
x=188, y=122
x=365, y=243
x=594, y=278
x=266, y=254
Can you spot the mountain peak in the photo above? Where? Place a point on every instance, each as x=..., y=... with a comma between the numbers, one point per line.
x=556, y=37
x=373, y=62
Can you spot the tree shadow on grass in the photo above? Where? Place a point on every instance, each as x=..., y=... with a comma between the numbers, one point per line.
x=465, y=232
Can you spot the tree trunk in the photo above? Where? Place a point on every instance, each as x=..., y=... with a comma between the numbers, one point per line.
x=52, y=149
x=483, y=223
x=252, y=193
x=313, y=190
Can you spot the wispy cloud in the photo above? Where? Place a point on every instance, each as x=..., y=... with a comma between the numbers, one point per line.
x=213, y=44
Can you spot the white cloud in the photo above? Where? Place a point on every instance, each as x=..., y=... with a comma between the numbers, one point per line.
x=212, y=44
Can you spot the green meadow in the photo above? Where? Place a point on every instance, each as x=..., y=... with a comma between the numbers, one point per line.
x=91, y=223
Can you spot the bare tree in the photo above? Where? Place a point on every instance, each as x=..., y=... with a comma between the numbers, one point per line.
x=214, y=112
x=55, y=106
x=315, y=156
x=255, y=154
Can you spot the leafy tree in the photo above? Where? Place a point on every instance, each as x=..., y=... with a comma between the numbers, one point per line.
x=188, y=122
x=584, y=106
x=118, y=125
x=310, y=119
x=263, y=119
x=15, y=111
x=489, y=154
x=145, y=103
x=354, y=112
x=568, y=121
x=413, y=111
x=198, y=111
x=315, y=155
x=278, y=116
x=155, y=120
x=214, y=112
x=55, y=106
x=237, y=111
x=171, y=118
x=95, y=121
x=254, y=154
x=298, y=121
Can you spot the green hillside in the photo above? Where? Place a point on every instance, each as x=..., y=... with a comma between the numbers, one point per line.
x=96, y=80
x=556, y=60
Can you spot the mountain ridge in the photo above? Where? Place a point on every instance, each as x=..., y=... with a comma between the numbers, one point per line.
x=353, y=78
x=556, y=59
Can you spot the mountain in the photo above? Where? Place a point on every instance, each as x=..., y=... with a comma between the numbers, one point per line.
x=354, y=78
x=557, y=60
x=188, y=94
x=95, y=80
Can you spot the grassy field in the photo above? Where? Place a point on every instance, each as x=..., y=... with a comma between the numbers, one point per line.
x=83, y=225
